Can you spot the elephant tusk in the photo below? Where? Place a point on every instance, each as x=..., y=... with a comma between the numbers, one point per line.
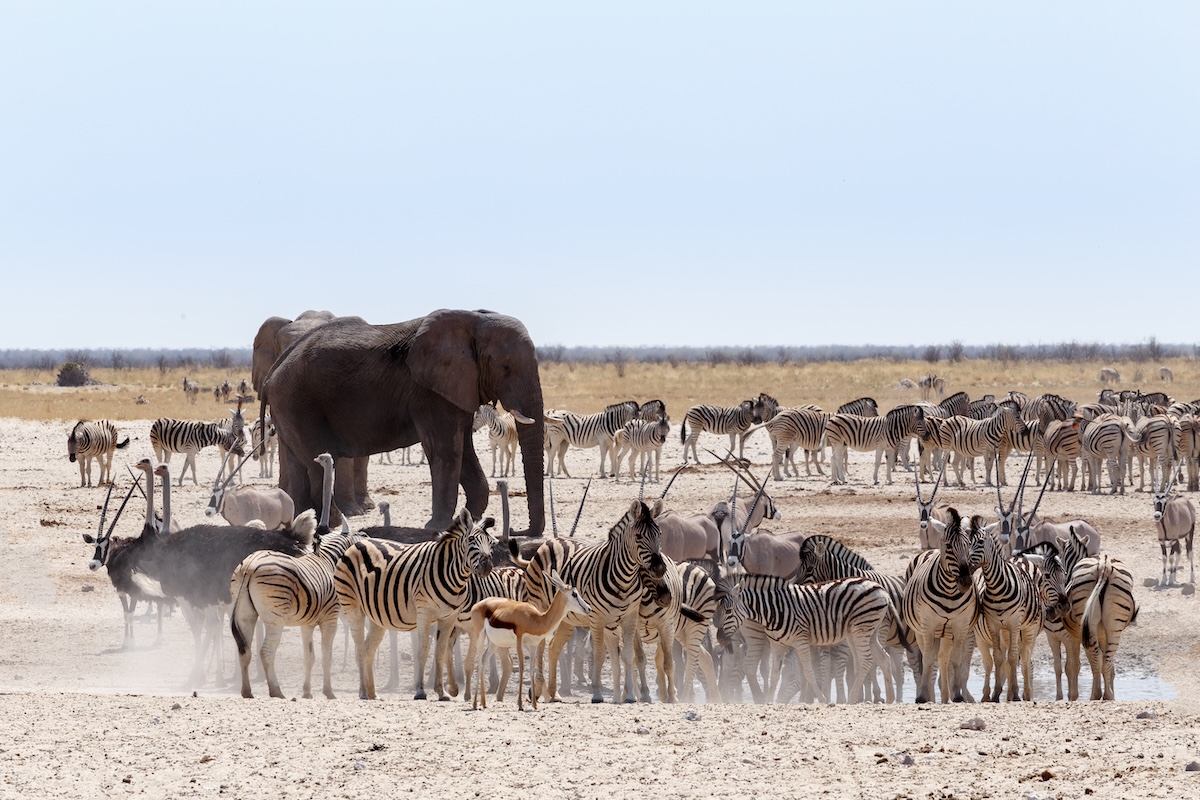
x=519, y=417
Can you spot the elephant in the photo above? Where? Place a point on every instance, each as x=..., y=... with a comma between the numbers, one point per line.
x=275, y=336
x=352, y=389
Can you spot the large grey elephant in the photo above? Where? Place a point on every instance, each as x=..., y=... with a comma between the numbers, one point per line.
x=275, y=336
x=352, y=389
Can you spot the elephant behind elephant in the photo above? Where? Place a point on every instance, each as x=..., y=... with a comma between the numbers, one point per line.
x=353, y=389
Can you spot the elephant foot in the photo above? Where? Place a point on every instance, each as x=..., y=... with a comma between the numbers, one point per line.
x=443, y=523
x=352, y=508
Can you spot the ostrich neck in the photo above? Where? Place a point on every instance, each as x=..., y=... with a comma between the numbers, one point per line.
x=166, y=482
x=150, y=499
x=326, y=494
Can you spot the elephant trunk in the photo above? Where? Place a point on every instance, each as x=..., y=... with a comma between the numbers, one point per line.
x=530, y=437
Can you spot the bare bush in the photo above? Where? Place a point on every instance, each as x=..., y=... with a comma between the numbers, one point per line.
x=73, y=373
x=932, y=354
x=955, y=352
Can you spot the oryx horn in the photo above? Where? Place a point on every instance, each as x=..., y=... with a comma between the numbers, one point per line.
x=579, y=513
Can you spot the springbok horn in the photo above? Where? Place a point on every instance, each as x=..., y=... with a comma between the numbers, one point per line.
x=553, y=519
x=104, y=511
x=674, y=475
x=579, y=513
x=128, y=494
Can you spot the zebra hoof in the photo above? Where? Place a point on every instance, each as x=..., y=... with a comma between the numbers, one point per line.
x=419, y=695
x=597, y=699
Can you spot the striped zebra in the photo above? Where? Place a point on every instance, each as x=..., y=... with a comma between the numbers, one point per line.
x=1064, y=445
x=1054, y=591
x=287, y=591
x=697, y=604
x=507, y=581
x=734, y=421
x=94, y=439
x=170, y=436
x=191, y=389
x=851, y=610
x=652, y=411
x=1105, y=441
x=862, y=407
x=264, y=453
x=606, y=575
x=982, y=409
x=1152, y=443
x=932, y=442
x=901, y=424
x=1047, y=407
x=502, y=436
x=930, y=384
x=1011, y=608
x=940, y=605
x=845, y=432
x=956, y=405
x=405, y=587
x=1188, y=448
x=589, y=430
x=1028, y=441
x=791, y=429
x=824, y=558
x=641, y=438
x=1102, y=606
x=969, y=439
x=765, y=407
x=657, y=626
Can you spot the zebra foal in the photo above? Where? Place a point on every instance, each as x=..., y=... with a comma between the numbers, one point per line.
x=94, y=439
x=734, y=421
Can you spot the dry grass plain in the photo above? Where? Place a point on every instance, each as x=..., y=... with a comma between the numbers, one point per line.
x=82, y=718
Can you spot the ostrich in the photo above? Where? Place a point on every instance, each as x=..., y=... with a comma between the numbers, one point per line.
x=196, y=564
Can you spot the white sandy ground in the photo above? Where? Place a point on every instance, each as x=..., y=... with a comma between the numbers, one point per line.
x=84, y=718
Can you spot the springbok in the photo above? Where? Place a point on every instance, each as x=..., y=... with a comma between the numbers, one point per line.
x=501, y=622
x=1176, y=519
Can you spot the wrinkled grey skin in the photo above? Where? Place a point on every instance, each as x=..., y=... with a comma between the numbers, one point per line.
x=353, y=389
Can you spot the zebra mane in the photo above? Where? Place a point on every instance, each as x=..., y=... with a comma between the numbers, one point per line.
x=458, y=529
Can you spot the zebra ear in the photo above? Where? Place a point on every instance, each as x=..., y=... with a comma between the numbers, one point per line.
x=819, y=547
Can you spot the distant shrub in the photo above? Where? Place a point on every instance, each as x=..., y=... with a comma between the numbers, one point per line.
x=73, y=373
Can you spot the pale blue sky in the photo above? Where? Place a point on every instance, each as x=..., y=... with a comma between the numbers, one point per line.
x=612, y=173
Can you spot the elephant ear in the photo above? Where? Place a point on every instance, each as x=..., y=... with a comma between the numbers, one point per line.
x=442, y=357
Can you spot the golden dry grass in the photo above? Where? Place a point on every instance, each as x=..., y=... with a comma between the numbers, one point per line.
x=30, y=394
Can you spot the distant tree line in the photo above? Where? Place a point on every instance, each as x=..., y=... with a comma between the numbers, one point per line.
x=1150, y=350
x=139, y=358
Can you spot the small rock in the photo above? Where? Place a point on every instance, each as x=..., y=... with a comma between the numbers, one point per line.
x=1188, y=590
x=642, y=730
x=206, y=758
x=1150, y=583
x=156, y=720
x=176, y=707
x=692, y=715
x=907, y=761
x=973, y=724
x=375, y=748
x=359, y=766
x=1148, y=714
x=87, y=587
x=1046, y=775
x=1193, y=767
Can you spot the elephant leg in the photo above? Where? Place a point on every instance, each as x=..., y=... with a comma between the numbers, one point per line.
x=361, y=496
x=344, y=485
x=474, y=482
x=445, y=467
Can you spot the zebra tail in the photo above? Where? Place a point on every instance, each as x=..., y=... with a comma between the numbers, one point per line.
x=514, y=552
x=1093, y=610
x=691, y=613
x=683, y=431
x=124, y=444
x=242, y=577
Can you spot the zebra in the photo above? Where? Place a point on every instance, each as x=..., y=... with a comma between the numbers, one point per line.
x=765, y=407
x=1047, y=407
x=940, y=605
x=405, y=587
x=1053, y=588
x=1011, y=608
x=851, y=431
x=1153, y=443
x=1100, y=590
x=1104, y=439
x=226, y=390
x=288, y=591
x=862, y=407
x=790, y=429
x=824, y=558
x=606, y=575
x=1188, y=448
x=956, y=405
x=818, y=615
x=1165, y=375
x=734, y=421
x=657, y=625
x=94, y=439
x=169, y=436
x=697, y=604
x=191, y=389
x=901, y=424
x=1109, y=375
x=264, y=453
x=1064, y=445
x=932, y=441
x=969, y=438
x=502, y=436
x=652, y=411
x=932, y=383
x=590, y=430
x=640, y=437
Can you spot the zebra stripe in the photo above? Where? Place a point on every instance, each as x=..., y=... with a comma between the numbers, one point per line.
x=406, y=587
x=851, y=431
x=264, y=454
x=1064, y=444
x=969, y=438
x=1100, y=591
x=606, y=576
x=657, y=626
x=795, y=428
x=733, y=421
x=287, y=591
x=698, y=603
x=590, y=430
x=1104, y=440
x=862, y=407
x=94, y=439
x=957, y=404
x=642, y=438
x=1152, y=441
x=940, y=605
x=502, y=437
